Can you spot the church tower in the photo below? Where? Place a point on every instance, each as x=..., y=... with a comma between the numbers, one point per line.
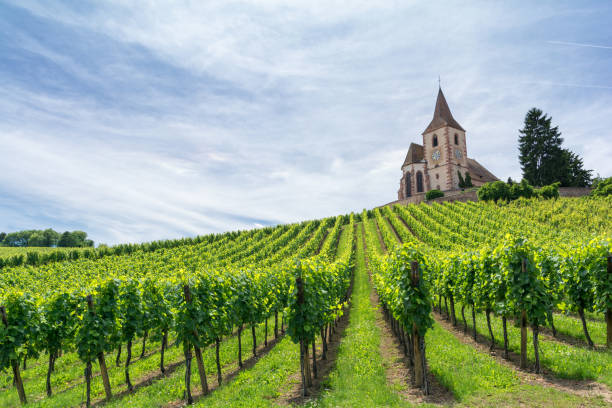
x=436, y=163
x=444, y=148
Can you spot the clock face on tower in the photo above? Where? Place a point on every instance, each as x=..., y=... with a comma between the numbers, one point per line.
x=436, y=155
x=458, y=154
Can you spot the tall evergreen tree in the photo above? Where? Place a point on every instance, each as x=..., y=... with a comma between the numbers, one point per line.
x=541, y=156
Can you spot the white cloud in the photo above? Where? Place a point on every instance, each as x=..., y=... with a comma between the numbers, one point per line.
x=210, y=116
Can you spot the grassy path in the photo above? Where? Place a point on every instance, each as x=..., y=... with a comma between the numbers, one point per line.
x=359, y=379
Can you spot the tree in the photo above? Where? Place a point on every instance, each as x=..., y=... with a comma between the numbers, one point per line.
x=461, y=180
x=573, y=175
x=542, y=158
x=468, y=180
x=37, y=239
x=51, y=237
x=66, y=240
x=2, y=236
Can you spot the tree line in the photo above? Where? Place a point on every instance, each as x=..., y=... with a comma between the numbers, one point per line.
x=45, y=238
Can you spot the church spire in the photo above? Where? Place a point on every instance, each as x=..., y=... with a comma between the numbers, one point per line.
x=442, y=115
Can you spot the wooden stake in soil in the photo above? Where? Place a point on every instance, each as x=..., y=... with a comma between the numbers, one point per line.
x=304, y=363
x=88, y=383
x=523, y=325
x=420, y=376
x=49, y=370
x=127, y=366
x=452, y=310
x=187, y=352
x=504, y=324
x=240, y=346
x=118, y=358
x=536, y=351
x=254, y=341
x=101, y=361
x=198, y=352
x=492, y=346
x=163, y=349
x=15, y=365
x=144, y=344
x=219, y=376
x=314, y=360
x=609, y=311
x=523, y=339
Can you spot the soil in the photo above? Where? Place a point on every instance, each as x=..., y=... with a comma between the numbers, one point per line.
x=398, y=373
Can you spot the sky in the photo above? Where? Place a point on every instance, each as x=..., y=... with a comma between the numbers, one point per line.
x=145, y=120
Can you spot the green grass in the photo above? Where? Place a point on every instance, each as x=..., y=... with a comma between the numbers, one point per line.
x=563, y=360
x=463, y=369
x=359, y=377
x=162, y=391
x=572, y=326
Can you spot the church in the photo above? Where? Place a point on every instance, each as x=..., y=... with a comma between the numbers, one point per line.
x=436, y=163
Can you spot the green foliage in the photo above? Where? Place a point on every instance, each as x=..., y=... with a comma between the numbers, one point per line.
x=550, y=191
x=522, y=189
x=542, y=158
x=461, y=180
x=431, y=194
x=500, y=191
x=468, y=180
x=21, y=336
x=495, y=191
x=603, y=188
x=526, y=288
x=408, y=301
x=59, y=323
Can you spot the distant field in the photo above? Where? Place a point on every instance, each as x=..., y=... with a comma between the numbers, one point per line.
x=6, y=252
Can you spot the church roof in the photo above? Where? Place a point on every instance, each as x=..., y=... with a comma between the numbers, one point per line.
x=442, y=115
x=478, y=172
x=415, y=154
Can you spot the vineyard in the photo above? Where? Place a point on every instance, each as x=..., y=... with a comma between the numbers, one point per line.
x=479, y=303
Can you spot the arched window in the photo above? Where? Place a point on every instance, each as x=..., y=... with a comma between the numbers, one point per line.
x=456, y=139
x=435, y=140
x=408, y=185
x=419, y=181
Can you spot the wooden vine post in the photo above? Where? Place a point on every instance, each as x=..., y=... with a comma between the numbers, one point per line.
x=196, y=349
x=101, y=361
x=609, y=311
x=15, y=365
x=418, y=341
x=523, y=325
x=304, y=363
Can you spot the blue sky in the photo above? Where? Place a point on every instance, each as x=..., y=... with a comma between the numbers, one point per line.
x=147, y=120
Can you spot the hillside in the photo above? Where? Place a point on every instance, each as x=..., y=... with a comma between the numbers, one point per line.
x=243, y=301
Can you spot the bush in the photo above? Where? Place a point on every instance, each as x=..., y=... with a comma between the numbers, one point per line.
x=549, y=191
x=522, y=189
x=431, y=194
x=497, y=190
x=603, y=188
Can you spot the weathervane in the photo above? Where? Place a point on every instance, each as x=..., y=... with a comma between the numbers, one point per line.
x=439, y=85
